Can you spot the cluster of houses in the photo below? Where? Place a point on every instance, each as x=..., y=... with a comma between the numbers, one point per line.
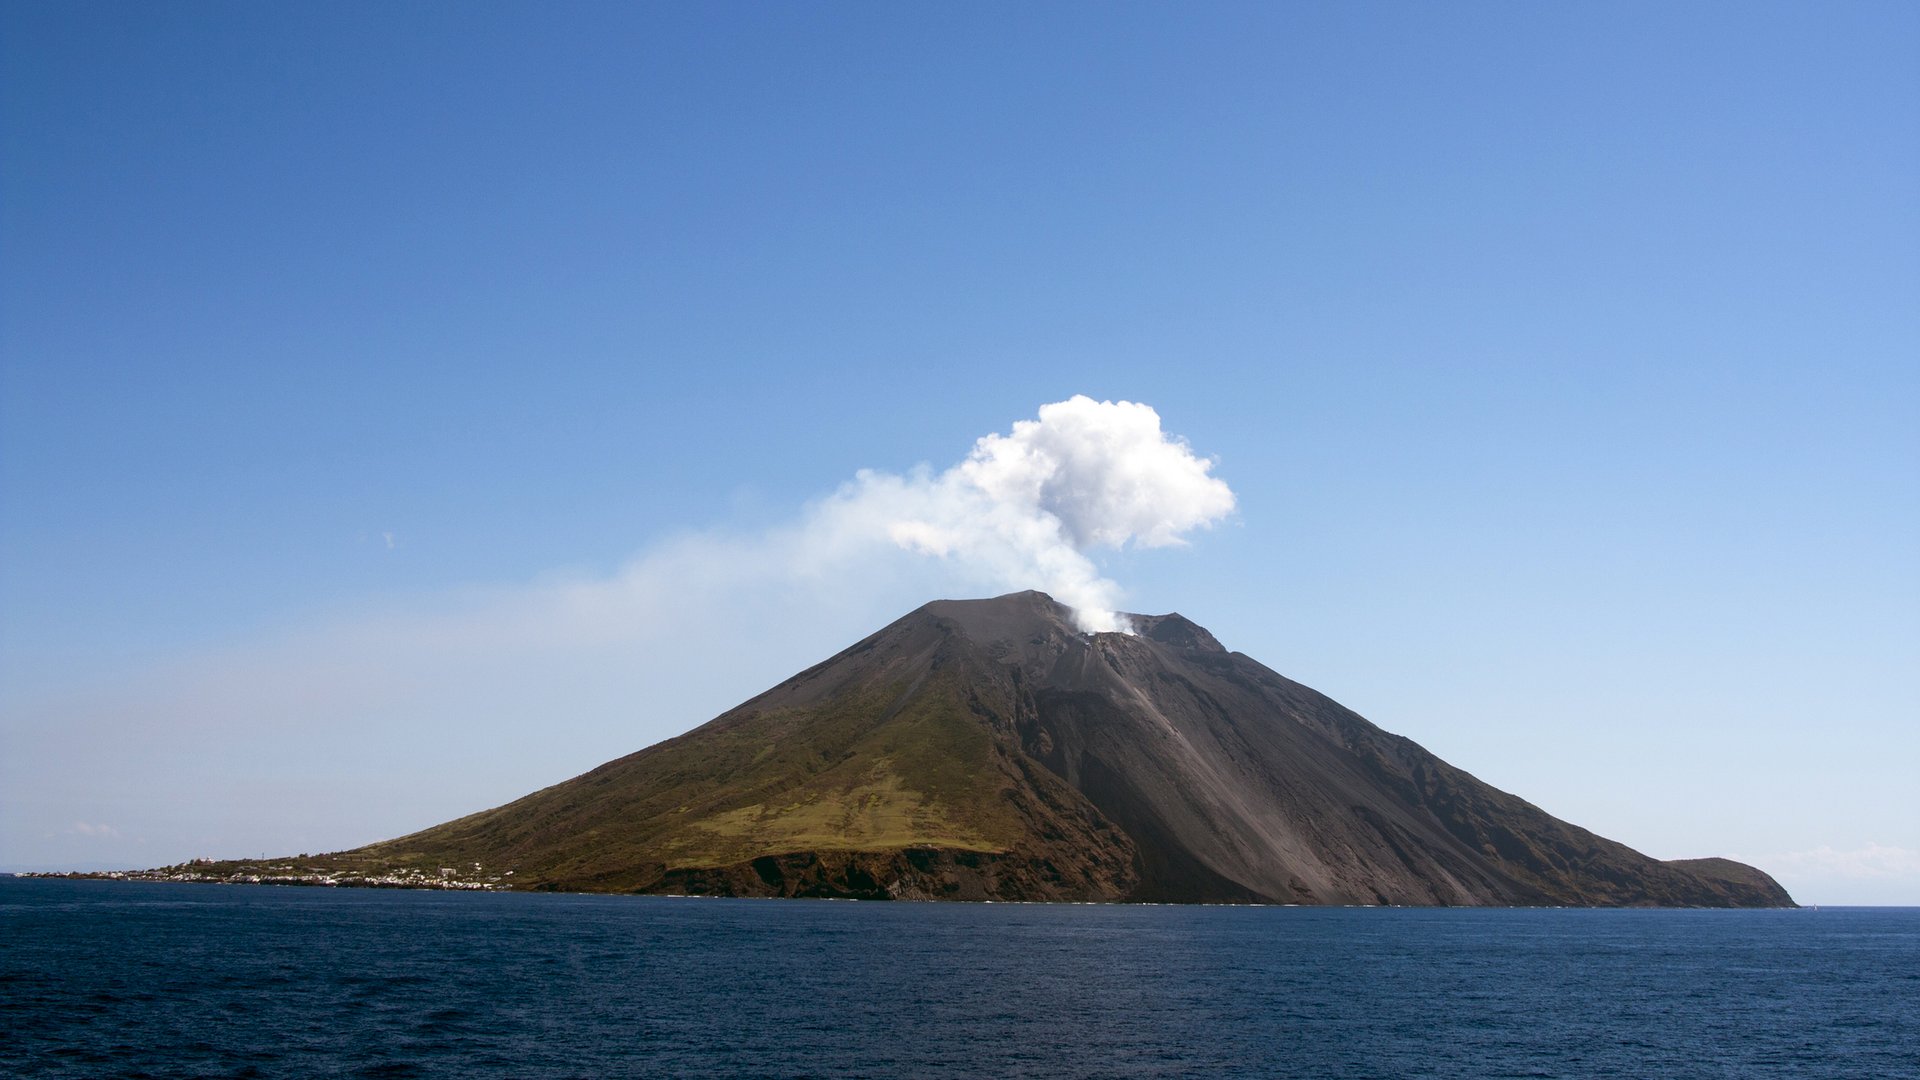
x=207, y=870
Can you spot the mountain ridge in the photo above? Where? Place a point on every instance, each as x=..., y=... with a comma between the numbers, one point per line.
x=987, y=749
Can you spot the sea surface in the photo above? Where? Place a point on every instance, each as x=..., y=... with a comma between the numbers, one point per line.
x=117, y=979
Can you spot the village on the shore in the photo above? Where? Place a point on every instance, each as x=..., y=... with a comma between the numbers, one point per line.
x=231, y=873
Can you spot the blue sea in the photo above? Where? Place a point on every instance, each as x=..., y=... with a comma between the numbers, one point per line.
x=116, y=979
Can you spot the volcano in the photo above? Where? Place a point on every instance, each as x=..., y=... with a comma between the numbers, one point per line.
x=989, y=750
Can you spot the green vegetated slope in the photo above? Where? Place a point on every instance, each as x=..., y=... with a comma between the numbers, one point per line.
x=880, y=756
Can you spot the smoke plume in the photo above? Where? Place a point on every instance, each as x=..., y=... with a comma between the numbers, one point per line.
x=1025, y=508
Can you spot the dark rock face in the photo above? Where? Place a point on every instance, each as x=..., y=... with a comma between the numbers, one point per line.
x=909, y=874
x=988, y=750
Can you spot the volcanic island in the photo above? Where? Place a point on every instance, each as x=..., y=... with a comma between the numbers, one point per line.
x=991, y=750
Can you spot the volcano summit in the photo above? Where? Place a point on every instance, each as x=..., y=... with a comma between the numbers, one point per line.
x=987, y=749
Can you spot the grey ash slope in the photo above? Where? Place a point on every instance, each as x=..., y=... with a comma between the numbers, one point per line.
x=986, y=749
x=1236, y=782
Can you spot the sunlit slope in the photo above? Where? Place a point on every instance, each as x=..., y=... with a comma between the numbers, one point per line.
x=878, y=753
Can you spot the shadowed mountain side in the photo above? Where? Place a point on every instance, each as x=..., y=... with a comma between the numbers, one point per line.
x=986, y=749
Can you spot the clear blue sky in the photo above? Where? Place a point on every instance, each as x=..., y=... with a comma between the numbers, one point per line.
x=1565, y=360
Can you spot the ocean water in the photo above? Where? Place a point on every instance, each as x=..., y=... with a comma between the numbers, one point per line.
x=110, y=979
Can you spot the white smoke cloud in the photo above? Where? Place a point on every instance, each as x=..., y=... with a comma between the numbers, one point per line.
x=1026, y=507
